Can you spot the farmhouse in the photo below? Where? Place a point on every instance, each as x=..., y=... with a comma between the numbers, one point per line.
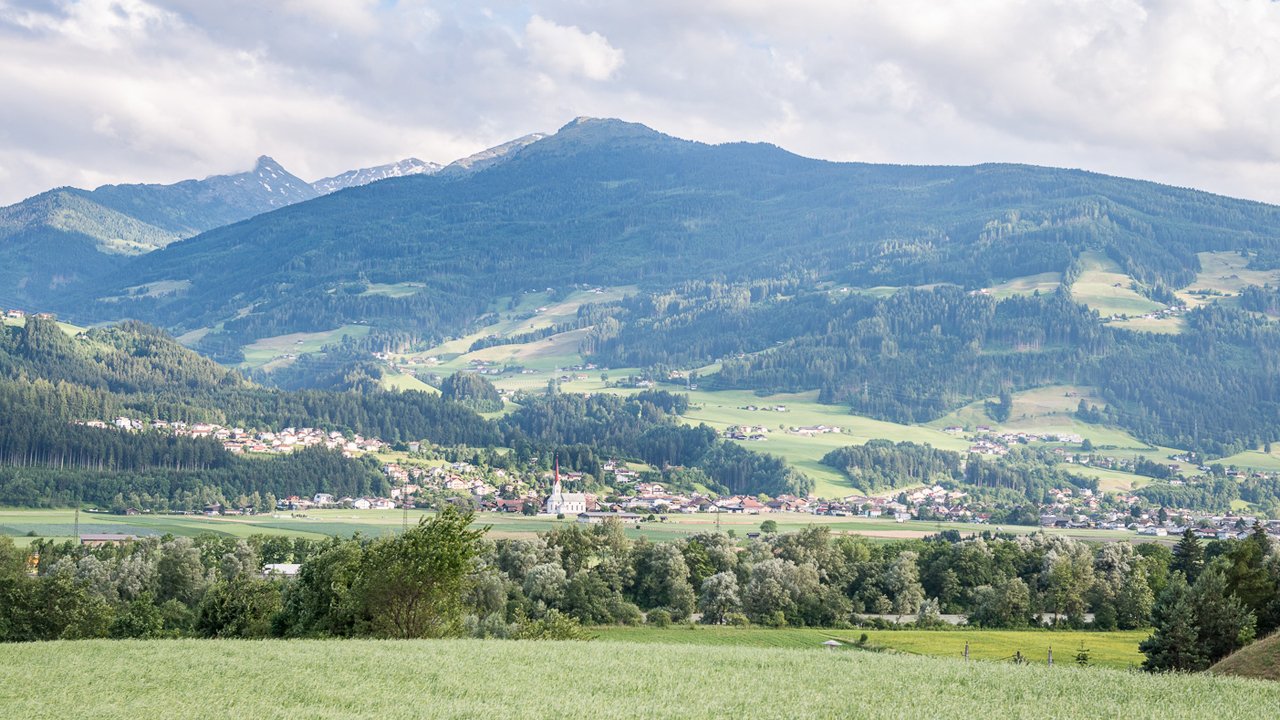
x=101, y=539
x=280, y=570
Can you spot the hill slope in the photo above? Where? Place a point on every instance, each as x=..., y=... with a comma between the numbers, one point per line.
x=1261, y=660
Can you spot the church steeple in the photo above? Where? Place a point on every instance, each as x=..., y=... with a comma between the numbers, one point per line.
x=555, y=489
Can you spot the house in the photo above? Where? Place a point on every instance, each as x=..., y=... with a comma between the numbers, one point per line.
x=287, y=570
x=101, y=539
x=322, y=499
x=361, y=504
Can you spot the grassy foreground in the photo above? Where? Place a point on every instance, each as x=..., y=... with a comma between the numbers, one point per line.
x=496, y=679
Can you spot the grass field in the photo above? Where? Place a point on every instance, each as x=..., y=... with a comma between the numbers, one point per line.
x=404, y=381
x=196, y=679
x=395, y=290
x=1225, y=273
x=25, y=525
x=1043, y=283
x=263, y=351
x=1106, y=649
x=1104, y=287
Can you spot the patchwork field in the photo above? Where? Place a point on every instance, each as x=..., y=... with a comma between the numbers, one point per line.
x=198, y=679
x=26, y=525
x=1106, y=649
x=532, y=311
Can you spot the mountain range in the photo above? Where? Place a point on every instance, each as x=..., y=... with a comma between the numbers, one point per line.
x=902, y=292
x=615, y=203
x=67, y=236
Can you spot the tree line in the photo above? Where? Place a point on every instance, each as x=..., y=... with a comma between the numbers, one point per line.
x=444, y=578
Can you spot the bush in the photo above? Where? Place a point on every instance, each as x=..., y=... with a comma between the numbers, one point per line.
x=659, y=618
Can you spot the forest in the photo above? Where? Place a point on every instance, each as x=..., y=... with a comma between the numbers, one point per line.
x=445, y=578
x=918, y=354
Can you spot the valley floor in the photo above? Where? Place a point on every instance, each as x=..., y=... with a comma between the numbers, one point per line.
x=27, y=525
x=200, y=679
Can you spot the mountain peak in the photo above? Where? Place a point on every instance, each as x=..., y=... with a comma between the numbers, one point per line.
x=266, y=163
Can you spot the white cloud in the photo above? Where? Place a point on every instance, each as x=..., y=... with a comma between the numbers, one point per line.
x=157, y=90
x=567, y=50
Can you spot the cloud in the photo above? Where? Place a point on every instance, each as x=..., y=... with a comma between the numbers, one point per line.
x=567, y=50
x=158, y=90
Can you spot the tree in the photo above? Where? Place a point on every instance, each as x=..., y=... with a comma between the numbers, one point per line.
x=1226, y=625
x=240, y=608
x=901, y=583
x=321, y=600
x=769, y=526
x=1188, y=556
x=180, y=573
x=662, y=579
x=545, y=587
x=138, y=619
x=719, y=598
x=776, y=591
x=1006, y=604
x=412, y=585
x=1066, y=576
x=1175, y=644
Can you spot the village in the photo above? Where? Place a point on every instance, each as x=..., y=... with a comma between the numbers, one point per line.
x=634, y=495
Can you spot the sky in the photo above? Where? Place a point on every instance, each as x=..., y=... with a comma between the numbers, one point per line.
x=1185, y=92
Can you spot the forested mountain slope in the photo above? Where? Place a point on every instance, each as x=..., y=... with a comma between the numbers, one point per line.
x=63, y=236
x=606, y=202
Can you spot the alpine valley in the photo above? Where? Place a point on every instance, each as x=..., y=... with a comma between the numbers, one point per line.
x=1067, y=326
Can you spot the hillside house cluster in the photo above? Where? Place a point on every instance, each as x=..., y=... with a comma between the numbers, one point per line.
x=240, y=440
x=746, y=432
x=815, y=430
x=327, y=501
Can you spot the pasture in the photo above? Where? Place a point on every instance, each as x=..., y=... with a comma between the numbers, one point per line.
x=1043, y=283
x=266, y=350
x=200, y=679
x=1225, y=273
x=1104, y=287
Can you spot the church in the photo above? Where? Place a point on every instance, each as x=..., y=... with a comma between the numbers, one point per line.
x=563, y=503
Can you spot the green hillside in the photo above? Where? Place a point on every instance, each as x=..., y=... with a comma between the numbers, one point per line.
x=989, y=279
x=532, y=679
x=68, y=237
x=613, y=203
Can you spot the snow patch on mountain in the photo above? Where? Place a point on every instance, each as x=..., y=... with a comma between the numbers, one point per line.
x=364, y=176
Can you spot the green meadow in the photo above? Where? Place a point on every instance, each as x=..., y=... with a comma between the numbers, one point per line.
x=1105, y=649
x=1104, y=287
x=274, y=349
x=388, y=680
